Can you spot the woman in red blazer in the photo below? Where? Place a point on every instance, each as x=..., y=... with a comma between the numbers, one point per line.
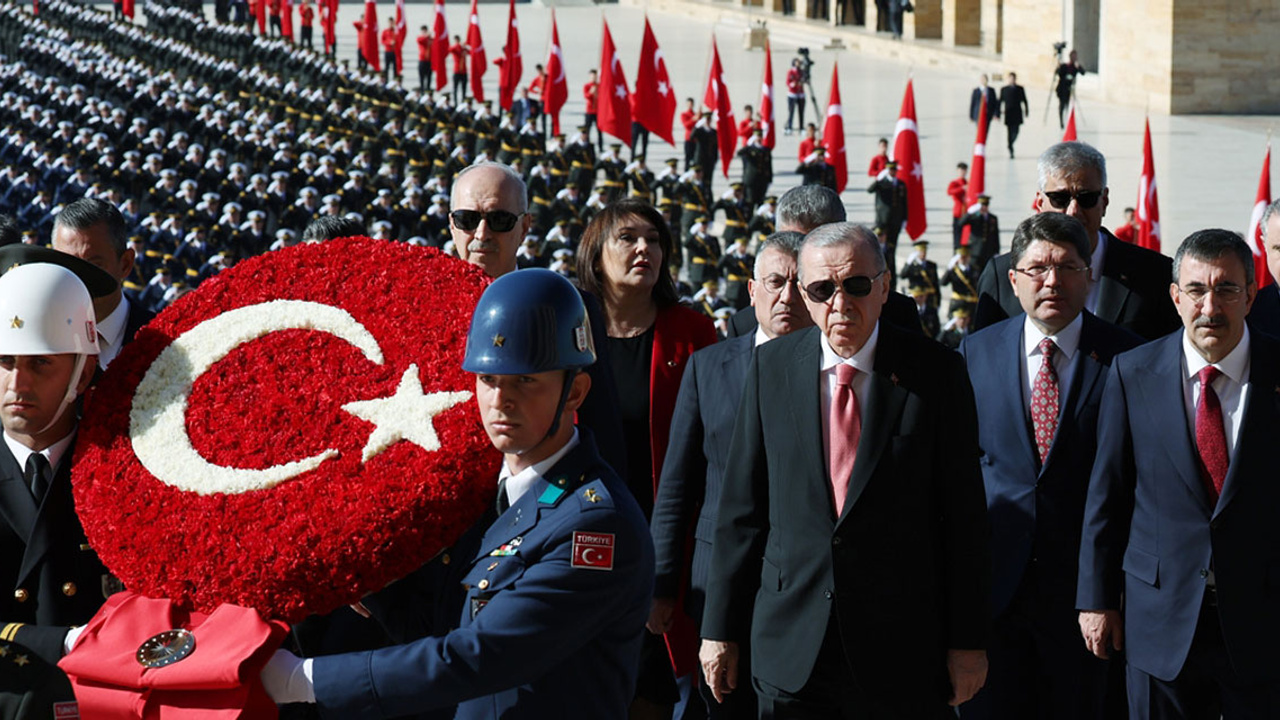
x=622, y=259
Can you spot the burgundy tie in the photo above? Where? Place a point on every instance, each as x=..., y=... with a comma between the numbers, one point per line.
x=846, y=428
x=1044, y=400
x=1211, y=437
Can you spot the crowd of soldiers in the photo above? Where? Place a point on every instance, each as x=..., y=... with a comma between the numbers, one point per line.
x=217, y=145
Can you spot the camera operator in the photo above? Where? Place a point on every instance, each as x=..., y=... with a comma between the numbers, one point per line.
x=797, y=81
x=1066, y=79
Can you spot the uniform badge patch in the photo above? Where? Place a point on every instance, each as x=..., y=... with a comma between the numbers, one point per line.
x=66, y=711
x=593, y=551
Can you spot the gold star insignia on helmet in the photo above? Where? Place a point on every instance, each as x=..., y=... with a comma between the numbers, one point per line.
x=16, y=323
x=498, y=340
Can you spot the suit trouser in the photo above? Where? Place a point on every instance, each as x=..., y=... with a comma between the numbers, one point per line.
x=1207, y=687
x=1013, y=134
x=834, y=693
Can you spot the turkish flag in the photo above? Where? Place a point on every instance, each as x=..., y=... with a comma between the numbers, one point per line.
x=1070, y=134
x=126, y=7
x=833, y=133
x=369, y=36
x=613, y=106
x=906, y=150
x=769, y=136
x=440, y=46
x=977, y=169
x=717, y=99
x=478, y=62
x=260, y=12
x=402, y=30
x=1148, y=212
x=512, y=66
x=328, y=22
x=1254, y=236
x=286, y=19
x=654, y=103
x=557, y=90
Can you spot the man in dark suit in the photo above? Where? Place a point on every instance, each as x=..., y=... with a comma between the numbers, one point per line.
x=1265, y=314
x=975, y=101
x=1128, y=284
x=94, y=231
x=1013, y=108
x=891, y=209
x=850, y=543
x=699, y=449
x=1180, y=530
x=51, y=578
x=1036, y=472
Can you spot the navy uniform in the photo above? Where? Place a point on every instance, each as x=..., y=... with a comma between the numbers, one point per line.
x=558, y=590
x=737, y=267
x=704, y=253
x=962, y=276
x=641, y=180
x=922, y=273
x=614, y=171
x=735, y=213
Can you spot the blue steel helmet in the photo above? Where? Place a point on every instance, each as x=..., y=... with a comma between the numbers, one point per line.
x=529, y=321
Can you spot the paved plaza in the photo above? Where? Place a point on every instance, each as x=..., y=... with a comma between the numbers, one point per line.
x=1206, y=166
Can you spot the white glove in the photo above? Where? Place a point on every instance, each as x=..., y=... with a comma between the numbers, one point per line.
x=287, y=679
x=69, y=641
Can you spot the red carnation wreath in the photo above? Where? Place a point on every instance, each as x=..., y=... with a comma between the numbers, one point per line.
x=294, y=434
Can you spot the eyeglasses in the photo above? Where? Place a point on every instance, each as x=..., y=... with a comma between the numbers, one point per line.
x=499, y=220
x=856, y=286
x=1225, y=294
x=1060, y=199
x=775, y=283
x=1036, y=272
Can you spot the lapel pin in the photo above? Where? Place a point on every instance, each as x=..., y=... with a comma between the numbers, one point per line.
x=893, y=378
x=498, y=340
x=1094, y=356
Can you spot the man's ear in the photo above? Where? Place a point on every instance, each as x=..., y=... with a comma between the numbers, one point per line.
x=578, y=393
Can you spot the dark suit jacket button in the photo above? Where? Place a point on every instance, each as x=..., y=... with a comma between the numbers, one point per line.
x=835, y=541
x=826, y=594
x=1204, y=573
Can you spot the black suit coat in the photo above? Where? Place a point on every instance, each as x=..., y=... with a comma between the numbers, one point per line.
x=975, y=104
x=138, y=316
x=1134, y=292
x=1151, y=534
x=693, y=472
x=898, y=309
x=1264, y=316
x=905, y=567
x=1013, y=104
x=1036, y=510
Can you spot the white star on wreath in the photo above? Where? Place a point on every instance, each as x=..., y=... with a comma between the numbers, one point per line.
x=406, y=415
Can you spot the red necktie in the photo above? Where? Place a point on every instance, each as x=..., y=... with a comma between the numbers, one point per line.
x=1211, y=438
x=846, y=428
x=1044, y=400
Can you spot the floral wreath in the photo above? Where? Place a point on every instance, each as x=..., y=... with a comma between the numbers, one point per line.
x=292, y=435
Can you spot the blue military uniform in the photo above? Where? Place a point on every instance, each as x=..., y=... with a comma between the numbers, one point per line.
x=557, y=597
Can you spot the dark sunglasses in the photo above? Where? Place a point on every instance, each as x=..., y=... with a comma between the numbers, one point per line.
x=1086, y=199
x=856, y=286
x=469, y=220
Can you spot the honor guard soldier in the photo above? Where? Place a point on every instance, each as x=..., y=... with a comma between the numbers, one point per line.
x=984, y=232
x=641, y=180
x=581, y=155
x=708, y=299
x=757, y=169
x=925, y=309
x=52, y=578
x=614, y=171
x=692, y=197
x=962, y=276
x=764, y=220
x=735, y=213
x=704, y=252
x=558, y=162
x=559, y=590
x=920, y=270
x=737, y=267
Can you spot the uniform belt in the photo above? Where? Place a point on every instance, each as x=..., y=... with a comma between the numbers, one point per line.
x=735, y=223
x=541, y=201
x=697, y=260
x=964, y=298
x=559, y=173
x=583, y=166
x=639, y=194
x=482, y=136
x=611, y=183
x=691, y=206
x=509, y=148
x=735, y=278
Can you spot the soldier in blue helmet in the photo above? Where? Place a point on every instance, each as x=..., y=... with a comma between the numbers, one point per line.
x=559, y=591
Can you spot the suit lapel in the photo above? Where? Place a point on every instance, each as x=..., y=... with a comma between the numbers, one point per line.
x=1088, y=367
x=1009, y=363
x=1112, y=296
x=1258, y=430
x=51, y=519
x=883, y=406
x=17, y=507
x=802, y=395
x=1158, y=389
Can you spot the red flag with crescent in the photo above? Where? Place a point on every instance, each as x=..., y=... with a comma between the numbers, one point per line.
x=512, y=65
x=906, y=150
x=833, y=133
x=654, y=103
x=716, y=99
x=1254, y=236
x=614, y=103
x=475, y=48
x=440, y=46
x=770, y=135
x=1148, y=210
x=557, y=90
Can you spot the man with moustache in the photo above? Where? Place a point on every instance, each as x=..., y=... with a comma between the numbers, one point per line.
x=1127, y=283
x=706, y=409
x=850, y=539
x=1038, y=438
x=1180, y=546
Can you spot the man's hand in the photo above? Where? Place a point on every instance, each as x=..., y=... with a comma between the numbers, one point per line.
x=285, y=679
x=660, y=615
x=968, y=672
x=719, y=667
x=1102, y=628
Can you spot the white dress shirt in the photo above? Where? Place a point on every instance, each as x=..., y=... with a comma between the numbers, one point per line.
x=761, y=337
x=519, y=483
x=1068, y=342
x=111, y=333
x=1229, y=386
x=1096, y=259
x=864, y=361
x=53, y=453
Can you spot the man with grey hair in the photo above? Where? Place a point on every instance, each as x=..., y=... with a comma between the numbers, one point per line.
x=1179, y=550
x=1127, y=284
x=1265, y=315
x=701, y=426
x=94, y=231
x=850, y=541
x=489, y=216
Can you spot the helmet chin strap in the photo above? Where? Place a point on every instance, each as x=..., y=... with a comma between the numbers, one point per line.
x=564, y=399
x=70, y=396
